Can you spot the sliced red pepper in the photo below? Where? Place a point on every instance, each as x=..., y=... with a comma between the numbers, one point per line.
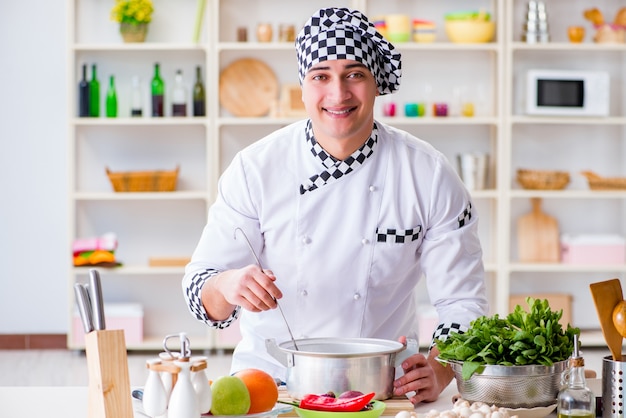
x=326, y=403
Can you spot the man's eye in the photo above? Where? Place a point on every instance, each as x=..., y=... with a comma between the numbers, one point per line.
x=356, y=75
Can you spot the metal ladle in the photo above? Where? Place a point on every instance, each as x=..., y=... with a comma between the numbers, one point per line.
x=258, y=263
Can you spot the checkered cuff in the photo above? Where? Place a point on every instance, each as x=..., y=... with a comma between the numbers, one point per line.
x=445, y=329
x=194, y=301
x=466, y=216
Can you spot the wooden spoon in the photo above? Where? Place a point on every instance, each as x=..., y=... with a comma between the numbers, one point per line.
x=606, y=296
x=619, y=317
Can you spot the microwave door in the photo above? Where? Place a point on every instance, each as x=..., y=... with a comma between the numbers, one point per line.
x=560, y=93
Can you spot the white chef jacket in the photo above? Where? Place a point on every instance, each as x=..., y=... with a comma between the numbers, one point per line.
x=337, y=277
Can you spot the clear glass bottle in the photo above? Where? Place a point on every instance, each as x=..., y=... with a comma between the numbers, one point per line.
x=158, y=92
x=111, y=101
x=136, y=99
x=94, y=93
x=575, y=399
x=199, y=97
x=179, y=96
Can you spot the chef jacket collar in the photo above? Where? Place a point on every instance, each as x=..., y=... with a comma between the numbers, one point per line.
x=336, y=168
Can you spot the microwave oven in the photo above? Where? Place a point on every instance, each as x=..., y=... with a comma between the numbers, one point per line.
x=567, y=93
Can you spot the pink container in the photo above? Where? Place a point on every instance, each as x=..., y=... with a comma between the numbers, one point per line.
x=593, y=249
x=125, y=316
x=427, y=320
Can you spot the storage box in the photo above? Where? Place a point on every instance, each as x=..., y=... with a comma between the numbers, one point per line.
x=125, y=316
x=427, y=319
x=557, y=302
x=593, y=249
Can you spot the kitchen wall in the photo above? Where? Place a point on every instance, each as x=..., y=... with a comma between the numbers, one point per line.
x=33, y=181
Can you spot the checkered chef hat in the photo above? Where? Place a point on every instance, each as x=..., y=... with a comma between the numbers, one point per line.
x=340, y=33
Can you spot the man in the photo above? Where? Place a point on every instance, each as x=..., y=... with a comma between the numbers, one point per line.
x=345, y=214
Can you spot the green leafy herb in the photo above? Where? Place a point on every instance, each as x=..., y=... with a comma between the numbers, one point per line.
x=521, y=339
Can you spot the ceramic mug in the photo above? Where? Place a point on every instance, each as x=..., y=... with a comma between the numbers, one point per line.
x=576, y=34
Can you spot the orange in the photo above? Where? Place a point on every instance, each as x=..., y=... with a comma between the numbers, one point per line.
x=262, y=387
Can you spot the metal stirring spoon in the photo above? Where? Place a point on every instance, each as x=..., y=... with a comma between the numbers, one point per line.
x=258, y=263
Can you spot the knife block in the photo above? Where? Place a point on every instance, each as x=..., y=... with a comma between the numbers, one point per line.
x=109, y=383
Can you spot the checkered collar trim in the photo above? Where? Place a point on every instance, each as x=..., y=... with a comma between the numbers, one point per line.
x=335, y=168
x=341, y=33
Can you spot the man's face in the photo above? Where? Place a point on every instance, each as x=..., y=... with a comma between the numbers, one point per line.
x=339, y=98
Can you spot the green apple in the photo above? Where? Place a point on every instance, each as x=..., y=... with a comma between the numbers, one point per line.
x=230, y=396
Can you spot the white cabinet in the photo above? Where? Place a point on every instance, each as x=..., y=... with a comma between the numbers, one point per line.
x=571, y=144
x=491, y=75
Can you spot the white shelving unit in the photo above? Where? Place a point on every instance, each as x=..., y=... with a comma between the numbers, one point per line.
x=564, y=143
x=169, y=224
x=147, y=225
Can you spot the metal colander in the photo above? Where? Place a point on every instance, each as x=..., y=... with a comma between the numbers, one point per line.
x=511, y=386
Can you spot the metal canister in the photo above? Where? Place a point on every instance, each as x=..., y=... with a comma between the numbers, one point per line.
x=613, y=388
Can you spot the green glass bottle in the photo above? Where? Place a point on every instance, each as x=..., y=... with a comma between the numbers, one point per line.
x=94, y=93
x=111, y=110
x=199, y=98
x=158, y=93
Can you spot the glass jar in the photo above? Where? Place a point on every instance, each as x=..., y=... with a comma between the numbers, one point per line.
x=264, y=32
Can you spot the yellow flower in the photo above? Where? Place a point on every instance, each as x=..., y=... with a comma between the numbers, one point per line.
x=132, y=11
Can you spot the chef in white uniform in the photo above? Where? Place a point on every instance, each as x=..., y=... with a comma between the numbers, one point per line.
x=345, y=214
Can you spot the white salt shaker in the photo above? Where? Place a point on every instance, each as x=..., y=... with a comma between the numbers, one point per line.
x=183, y=400
x=201, y=385
x=154, y=395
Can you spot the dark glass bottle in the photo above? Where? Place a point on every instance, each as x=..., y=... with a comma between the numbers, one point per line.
x=158, y=93
x=94, y=93
x=83, y=94
x=199, y=98
x=179, y=96
x=111, y=103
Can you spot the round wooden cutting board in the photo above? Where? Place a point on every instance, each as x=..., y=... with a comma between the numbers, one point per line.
x=248, y=87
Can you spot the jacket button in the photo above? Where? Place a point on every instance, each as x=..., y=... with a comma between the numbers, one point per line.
x=365, y=241
x=304, y=293
x=306, y=240
x=356, y=296
x=372, y=188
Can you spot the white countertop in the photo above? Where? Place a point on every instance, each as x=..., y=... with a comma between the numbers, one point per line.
x=71, y=401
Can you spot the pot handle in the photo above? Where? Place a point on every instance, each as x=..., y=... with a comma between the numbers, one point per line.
x=277, y=353
x=411, y=348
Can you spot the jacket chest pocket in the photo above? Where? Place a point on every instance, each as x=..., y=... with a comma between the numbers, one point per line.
x=396, y=253
x=399, y=236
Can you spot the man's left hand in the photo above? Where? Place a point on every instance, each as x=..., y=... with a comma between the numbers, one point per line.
x=424, y=376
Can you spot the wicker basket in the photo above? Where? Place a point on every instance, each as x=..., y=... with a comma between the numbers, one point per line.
x=604, y=183
x=542, y=179
x=143, y=181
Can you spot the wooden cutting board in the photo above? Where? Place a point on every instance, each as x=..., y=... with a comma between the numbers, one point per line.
x=392, y=406
x=248, y=88
x=538, y=236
